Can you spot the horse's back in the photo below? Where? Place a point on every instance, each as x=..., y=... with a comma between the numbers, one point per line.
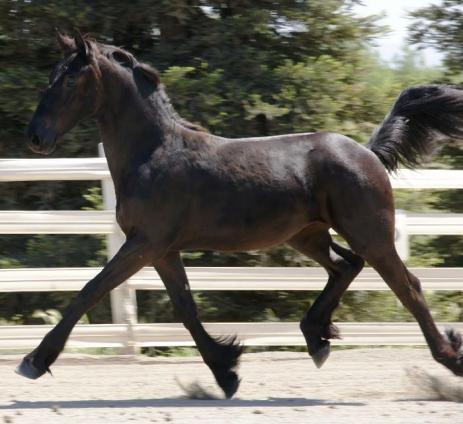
x=271, y=138
x=327, y=153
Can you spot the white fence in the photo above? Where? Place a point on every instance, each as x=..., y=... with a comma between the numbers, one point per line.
x=128, y=334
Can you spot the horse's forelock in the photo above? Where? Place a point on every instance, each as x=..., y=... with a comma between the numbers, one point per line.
x=61, y=68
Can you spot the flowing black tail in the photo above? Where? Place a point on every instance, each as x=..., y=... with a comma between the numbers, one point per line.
x=420, y=117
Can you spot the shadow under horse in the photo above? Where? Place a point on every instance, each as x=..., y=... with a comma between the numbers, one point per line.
x=181, y=188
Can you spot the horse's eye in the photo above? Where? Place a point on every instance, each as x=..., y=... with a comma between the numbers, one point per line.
x=71, y=81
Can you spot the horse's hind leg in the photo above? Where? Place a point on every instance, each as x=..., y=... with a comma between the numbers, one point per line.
x=342, y=266
x=407, y=287
x=220, y=356
x=372, y=236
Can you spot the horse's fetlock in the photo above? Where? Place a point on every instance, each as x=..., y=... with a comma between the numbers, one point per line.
x=308, y=326
x=444, y=354
x=224, y=354
x=331, y=331
x=454, y=338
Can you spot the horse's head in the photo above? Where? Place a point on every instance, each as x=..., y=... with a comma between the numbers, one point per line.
x=93, y=79
x=72, y=94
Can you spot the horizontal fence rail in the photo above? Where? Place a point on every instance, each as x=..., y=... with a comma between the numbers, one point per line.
x=250, y=334
x=127, y=333
x=53, y=169
x=103, y=222
x=430, y=179
x=221, y=279
x=57, y=222
x=97, y=169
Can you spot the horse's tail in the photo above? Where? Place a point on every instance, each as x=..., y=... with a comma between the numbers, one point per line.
x=420, y=117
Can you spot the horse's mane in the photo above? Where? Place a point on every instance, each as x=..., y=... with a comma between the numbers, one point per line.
x=122, y=57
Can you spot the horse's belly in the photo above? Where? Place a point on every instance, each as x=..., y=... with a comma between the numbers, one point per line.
x=239, y=242
x=245, y=231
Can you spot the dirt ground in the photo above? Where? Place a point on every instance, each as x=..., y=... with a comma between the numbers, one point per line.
x=359, y=385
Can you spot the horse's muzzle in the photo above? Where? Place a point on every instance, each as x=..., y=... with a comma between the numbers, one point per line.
x=43, y=142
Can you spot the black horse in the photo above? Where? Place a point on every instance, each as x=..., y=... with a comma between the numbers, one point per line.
x=181, y=188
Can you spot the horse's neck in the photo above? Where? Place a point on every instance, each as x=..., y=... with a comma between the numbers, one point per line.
x=132, y=128
x=129, y=137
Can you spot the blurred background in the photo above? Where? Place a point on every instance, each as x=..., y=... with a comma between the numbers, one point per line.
x=239, y=68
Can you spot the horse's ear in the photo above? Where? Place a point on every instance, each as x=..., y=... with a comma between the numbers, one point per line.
x=148, y=72
x=82, y=46
x=66, y=44
x=123, y=58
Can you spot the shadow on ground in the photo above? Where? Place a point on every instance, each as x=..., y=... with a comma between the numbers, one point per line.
x=174, y=402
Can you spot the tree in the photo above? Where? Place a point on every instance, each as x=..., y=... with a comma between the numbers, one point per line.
x=441, y=26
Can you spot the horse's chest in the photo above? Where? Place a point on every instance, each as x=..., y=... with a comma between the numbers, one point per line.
x=149, y=209
x=122, y=218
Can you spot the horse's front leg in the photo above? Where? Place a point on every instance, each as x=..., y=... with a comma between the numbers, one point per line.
x=220, y=356
x=131, y=257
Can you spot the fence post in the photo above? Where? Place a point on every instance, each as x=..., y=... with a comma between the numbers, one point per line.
x=401, y=234
x=123, y=298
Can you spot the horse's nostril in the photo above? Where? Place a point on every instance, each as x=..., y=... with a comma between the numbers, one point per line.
x=35, y=140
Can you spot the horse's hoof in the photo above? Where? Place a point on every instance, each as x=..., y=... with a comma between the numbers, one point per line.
x=27, y=369
x=321, y=355
x=229, y=383
x=231, y=388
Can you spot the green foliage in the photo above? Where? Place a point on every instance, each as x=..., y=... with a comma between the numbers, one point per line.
x=440, y=25
x=95, y=198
